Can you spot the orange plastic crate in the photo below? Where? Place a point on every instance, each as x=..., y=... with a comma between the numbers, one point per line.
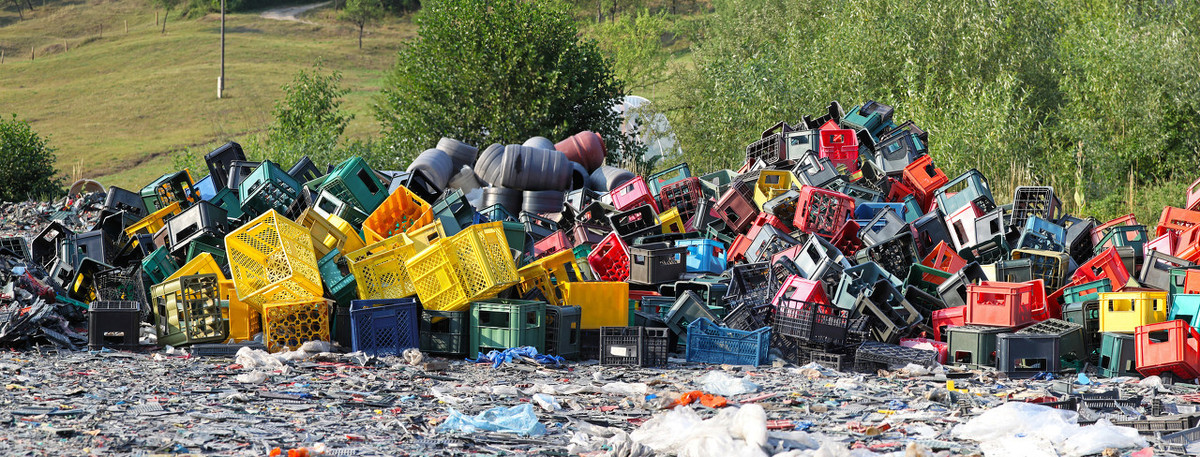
x=924, y=178
x=1005, y=304
x=401, y=212
x=1176, y=220
x=943, y=258
x=1178, y=353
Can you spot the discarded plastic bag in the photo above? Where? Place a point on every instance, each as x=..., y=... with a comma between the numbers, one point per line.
x=1095, y=438
x=721, y=383
x=518, y=419
x=680, y=431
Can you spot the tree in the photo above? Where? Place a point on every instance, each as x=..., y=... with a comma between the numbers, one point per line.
x=635, y=43
x=361, y=13
x=29, y=163
x=498, y=71
x=17, y=3
x=167, y=6
x=308, y=119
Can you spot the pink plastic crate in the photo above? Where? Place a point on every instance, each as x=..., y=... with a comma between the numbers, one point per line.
x=948, y=317
x=942, y=348
x=632, y=194
x=797, y=288
x=1164, y=244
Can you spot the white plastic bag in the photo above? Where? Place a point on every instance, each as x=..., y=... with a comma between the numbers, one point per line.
x=721, y=383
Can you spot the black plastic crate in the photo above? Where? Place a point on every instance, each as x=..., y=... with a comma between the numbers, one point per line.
x=537, y=227
x=417, y=183
x=836, y=362
x=562, y=331
x=444, y=332
x=637, y=222
x=588, y=233
x=809, y=322
x=1072, y=345
x=928, y=231
x=589, y=344
x=1034, y=201
x=114, y=324
x=634, y=346
x=130, y=202
x=889, y=315
x=95, y=245
x=773, y=147
x=953, y=291
x=219, y=162
x=769, y=241
x=687, y=308
x=894, y=255
x=1156, y=269
x=656, y=264
x=122, y=284
x=816, y=171
x=203, y=221
x=750, y=317
x=304, y=170
x=872, y=355
x=17, y=245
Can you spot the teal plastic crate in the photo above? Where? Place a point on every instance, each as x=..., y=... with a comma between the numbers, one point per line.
x=1185, y=307
x=269, y=188
x=502, y=323
x=1117, y=355
x=159, y=265
x=973, y=345
x=354, y=182
x=1088, y=291
x=227, y=199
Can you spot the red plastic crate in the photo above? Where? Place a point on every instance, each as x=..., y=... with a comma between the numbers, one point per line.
x=840, y=146
x=1178, y=354
x=846, y=239
x=610, y=259
x=684, y=194
x=1188, y=245
x=1005, y=304
x=1176, y=220
x=924, y=177
x=1098, y=232
x=557, y=241
x=1107, y=264
x=1164, y=244
x=943, y=258
x=948, y=317
x=822, y=212
x=632, y=194
x=798, y=288
x=736, y=207
x=764, y=219
x=1193, y=196
x=898, y=190
x=737, y=249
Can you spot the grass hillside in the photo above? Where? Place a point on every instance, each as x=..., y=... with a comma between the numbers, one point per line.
x=118, y=106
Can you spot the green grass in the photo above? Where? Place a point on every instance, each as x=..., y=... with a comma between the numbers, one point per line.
x=118, y=108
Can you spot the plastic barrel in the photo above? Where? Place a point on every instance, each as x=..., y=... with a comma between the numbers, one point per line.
x=539, y=142
x=436, y=165
x=524, y=168
x=606, y=178
x=586, y=148
x=579, y=176
x=543, y=201
x=465, y=179
x=510, y=199
x=460, y=153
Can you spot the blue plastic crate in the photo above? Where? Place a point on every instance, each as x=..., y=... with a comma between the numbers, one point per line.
x=710, y=343
x=1042, y=234
x=385, y=327
x=704, y=255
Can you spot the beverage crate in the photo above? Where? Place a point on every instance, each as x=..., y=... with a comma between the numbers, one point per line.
x=795, y=287
x=1087, y=291
x=840, y=146
x=536, y=226
x=945, y=318
x=1168, y=347
x=632, y=194
x=1035, y=201
x=687, y=308
x=118, y=200
x=815, y=323
x=418, y=185
x=556, y=242
x=710, y=343
x=123, y=284
x=271, y=259
x=1073, y=346
x=196, y=249
x=326, y=236
x=633, y=346
x=772, y=183
x=269, y=188
x=637, y=222
x=704, y=255
x=1118, y=356
x=670, y=222
x=1164, y=243
x=480, y=259
x=924, y=178
x=884, y=225
x=1087, y=315
x=1049, y=266
x=657, y=305
x=287, y=325
x=1188, y=246
x=17, y=245
x=1185, y=307
x=586, y=233
x=1005, y=304
x=187, y=310
x=963, y=190
x=1157, y=268
x=928, y=232
x=861, y=193
x=227, y=199
x=782, y=205
x=114, y=324
x=736, y=206
x=326, y=205
x=204, y=263
x=656, y=265
x=1125, y=311
x=1042, y=234
x=768, y=241
x=610, y=259
x=1175, y=220
x=603, y=303
x=244, y=322
x=562, y=330
x=822, y=212
x=1099, y=231
x=354, y=182
x=749, y=317
x=400, y=212
x=662, y=179
x=889, y=315
x=445, y=332
x=749, y=283
x=201, y=222
x=857, y=279
x=385, y=327
x=1158, y=425
x=1185, y=281
x=925, y=303
x=1023, y=355
x=973, y=345
x=894, y=255
x=1133, y=236
x=964, y=226
x=219, y=161
x=772, y=147
x=872, y=355
x=1010, y=270
x=925, y=279
x=177, y=187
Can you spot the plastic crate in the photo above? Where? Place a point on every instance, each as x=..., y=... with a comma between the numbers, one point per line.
x=973, y=345
x=556, y=242
x=857, y=279
x=822, y=212
x=1042, y=234
x=604, y=303
x=269, y=188
x=202, y=221
x=226, y=350
x=379, y=270
x=501, y=324
x=204, y=263
x=1178, y=442
x=840, y=146
x=271, y=259
x=963, y=190
x=924, y=178
x=1073, y=347
x=684, y=194
x=187, y=310
x=287, y=325
x=400, y=212
x=177, y=187
x=1021, y=355
x=445, y=332
x=17, y=245
x=1164, y=243
x=894, y=255
x=1049, y=266
x=326, y=205
x=1157, y=268
x=562, y=330
x=1125, y=311
x=815, y=323
x=1133, y=236
x=889, y=315
x=656, y=265
x=610, y=259
x=687, y=308
x=354, y=182
x=244, y=323
x=1158, y=425
x=1005, y=304
x=1099, y=231
x=114, y=324
x=1188, y=246
x=946, y=318
x=704, y=255
x=1118, y=355
x=749, y=317
x=227, y=199
x=385, y=327
x=1176, y=220
x=219, y=161
x=736, y=206
x=633, y=346
x=1185, y=307
x=873, y=354
x=632, y=194
x=479, y=260
x=326, y=236
x=1034, y=201
x=634, y=223
x=118, y=200
x=1087, y=315
x=928, y=232
x=120, y=284
x=773, y=183
x=710, y=343
x=1171, y=346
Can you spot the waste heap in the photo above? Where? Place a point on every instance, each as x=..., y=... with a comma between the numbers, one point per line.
x=838, y=242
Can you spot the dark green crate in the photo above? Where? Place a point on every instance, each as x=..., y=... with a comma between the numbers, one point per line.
x=973, y=345
x=355, y=183
x=159, y=265
x=196, y=248
x=502, y=323
x=445, y=332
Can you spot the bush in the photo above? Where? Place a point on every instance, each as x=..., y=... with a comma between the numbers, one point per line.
x=497, y=71
x=28, y=170
x=309, y=120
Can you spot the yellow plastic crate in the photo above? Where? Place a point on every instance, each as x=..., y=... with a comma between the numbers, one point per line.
x=151, y=224
x=425, y=236
x=605, y=304
x=549, y=274
x=1124, y=311
x=244, y=321
x=382, y=274
x=485, y=265
x=400, y=212
x=325, y=236
x=561, y=266
x=271, y=260
x=434, y=274
x=772, y=183
x=203, y=264
x=670, y=221
x=287, y=325
x=354, y=239
x=188, y=311
x=534, y=276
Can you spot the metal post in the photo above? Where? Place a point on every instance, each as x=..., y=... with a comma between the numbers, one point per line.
x=221, y=79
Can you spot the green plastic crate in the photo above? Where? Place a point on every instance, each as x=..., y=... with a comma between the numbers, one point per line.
x=1117, y=356
x=916, y=278
x=269, y=188
x=445, y=332
x=159, y=265
x=353, y=182
x=196, y=248
x=502, y=323
x=973, y=345
x=227, y=199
